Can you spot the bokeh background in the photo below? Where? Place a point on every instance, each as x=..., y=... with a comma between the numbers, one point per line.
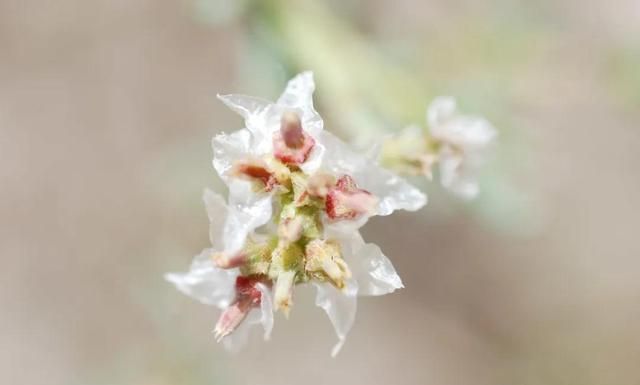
x=107, y=108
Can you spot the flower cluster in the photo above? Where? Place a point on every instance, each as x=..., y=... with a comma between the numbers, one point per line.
x=297, y=197
x=457, y=143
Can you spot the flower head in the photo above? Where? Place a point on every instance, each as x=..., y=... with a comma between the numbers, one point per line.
x=297, y=196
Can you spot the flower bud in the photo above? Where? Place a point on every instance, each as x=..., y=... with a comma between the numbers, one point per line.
x=291, y=130
x=254, y=170
x=247, y=297
x=232, y=317
x=347, y=201
x=323, y=258
x=291, y=145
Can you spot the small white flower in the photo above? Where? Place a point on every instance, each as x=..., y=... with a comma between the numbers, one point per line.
x=297, y=196
x=352, y=186
x=463, y=144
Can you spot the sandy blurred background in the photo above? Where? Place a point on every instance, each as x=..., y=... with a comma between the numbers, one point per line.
x=107, y=108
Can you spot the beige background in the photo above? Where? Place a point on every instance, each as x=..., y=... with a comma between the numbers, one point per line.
x=106, y=112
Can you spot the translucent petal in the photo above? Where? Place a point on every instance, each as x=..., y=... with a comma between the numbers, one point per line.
x=205, y=282
x=257, y=316
x=299, y=91
x=247, y=212
x=340, y=307
x=261, y=118
x=394, y=192
x=217, y=213
x=298, y=96
x=228, y=149
x=251, y=108
x=230, y=225
x=369, y=266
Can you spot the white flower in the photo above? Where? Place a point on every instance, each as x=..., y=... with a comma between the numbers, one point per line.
x=215, y=286
x=334, y=183
x=463, y=144
x=297, y=196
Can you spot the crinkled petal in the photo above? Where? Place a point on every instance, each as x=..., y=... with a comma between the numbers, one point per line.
x=205, y=282
x=257, y=316
x=262, y=119
x=245, y=105
x=251, y=108
x=247, y=212
x=230, y=225
x=369, y=266
x=217, y=213
x=298, y=95
x=228, y=149
x=394, y=192
x=340, y=306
